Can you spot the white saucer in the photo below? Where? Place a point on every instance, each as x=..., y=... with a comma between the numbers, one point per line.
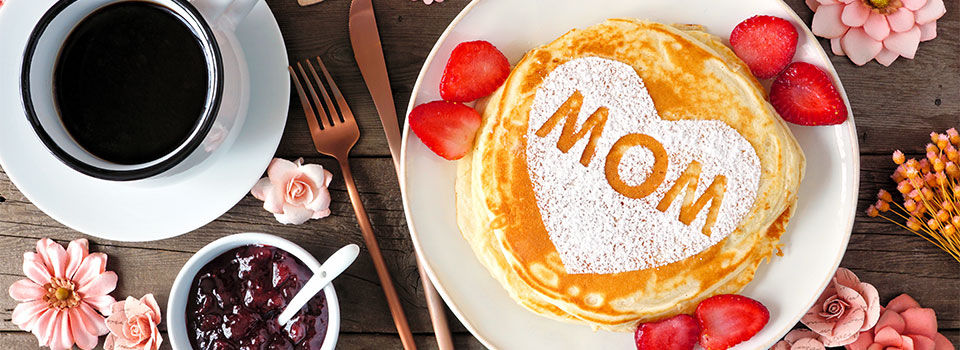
x=143, y=211
x=813, y=244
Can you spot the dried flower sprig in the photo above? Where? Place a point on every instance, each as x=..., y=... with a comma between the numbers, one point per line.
x=930, y=189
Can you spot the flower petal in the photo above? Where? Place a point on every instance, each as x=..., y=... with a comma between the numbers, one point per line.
x=101, y=302
x=56, y=258
x=812, y=4
x=25, y=315
x=859, y=46
x=901, y=303
x=35, y=269
x=76, y=251
x=320, y=214
x=922, y=343
x=855, y=14
x=95, y=324
x=63, y=338
x=85, y=340
x=906, y=343
x=827, y=23
x=45, y=326
x=846, y=278
x=807, y=344
x=905, y=43
x=863, y=341
x=798, y=334
x=91, y=267
x=928, y=31
x=913, y=5
x=877, y=27
x=931, y=11
x=887, y=337
x=869, y=293
x=102, y=285
x=846, y=329
x=901, y=20
x=292, y=214
x=942, y=342
x=281, y=170
x=893, y=320
x=920, y=321
x=26, y=290
x=151, y=303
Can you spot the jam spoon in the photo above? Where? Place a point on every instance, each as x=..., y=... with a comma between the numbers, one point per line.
x=330, y=269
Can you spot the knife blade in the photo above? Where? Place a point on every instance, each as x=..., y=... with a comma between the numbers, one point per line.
x=367, y=50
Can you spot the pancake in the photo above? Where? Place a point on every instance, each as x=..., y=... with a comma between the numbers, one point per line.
x=610, y=260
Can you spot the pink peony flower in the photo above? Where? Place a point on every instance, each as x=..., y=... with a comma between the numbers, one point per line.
x=903, y=325
x=846, y=308
x=876, y=29
x=294, y=192
x=133, y=325
x=62, y=293
x=800, y=339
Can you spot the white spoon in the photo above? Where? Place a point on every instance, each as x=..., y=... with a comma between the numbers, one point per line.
x=329, y=270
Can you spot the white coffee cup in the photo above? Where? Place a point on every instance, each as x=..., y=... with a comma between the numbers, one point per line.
x=213, y=21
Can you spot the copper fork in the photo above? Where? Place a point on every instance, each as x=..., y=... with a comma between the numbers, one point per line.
x=334, y=134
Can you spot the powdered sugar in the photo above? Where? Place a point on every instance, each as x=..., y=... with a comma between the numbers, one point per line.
x=595, y=228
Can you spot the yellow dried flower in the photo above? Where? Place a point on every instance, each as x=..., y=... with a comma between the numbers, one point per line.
x=910, y=205
x=954, y=136
x=884, y=195
x=872, y=211
x=898, y=157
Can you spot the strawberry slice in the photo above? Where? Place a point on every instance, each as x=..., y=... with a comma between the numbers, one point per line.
x=475, y=69
x=765, y=43
x=729, y=319
x=679, y=332
x=803, y=94
x=447, y=128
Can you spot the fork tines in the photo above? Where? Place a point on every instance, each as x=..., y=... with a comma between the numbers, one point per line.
x=328, y=114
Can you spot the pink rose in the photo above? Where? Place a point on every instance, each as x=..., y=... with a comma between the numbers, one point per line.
x=294, y=192
x=800, y=339
x=133, y=325
x=846, y=308
x=903, y=325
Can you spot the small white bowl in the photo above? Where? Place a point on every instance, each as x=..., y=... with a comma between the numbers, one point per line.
x=180, y=292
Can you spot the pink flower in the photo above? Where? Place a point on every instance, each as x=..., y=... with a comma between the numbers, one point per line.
x=62, y=293
x=903, y=325
x=799, y=339
x=846, y=308
x=133, y=325
x=294, y=192
x=876, y=29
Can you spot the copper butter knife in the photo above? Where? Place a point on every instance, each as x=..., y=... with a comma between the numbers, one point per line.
x=365, y=39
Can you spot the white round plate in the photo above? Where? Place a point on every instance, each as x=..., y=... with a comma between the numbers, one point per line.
x=144, y=211
x=813, y=244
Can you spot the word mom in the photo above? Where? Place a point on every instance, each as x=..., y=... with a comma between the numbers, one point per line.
x=687, y=182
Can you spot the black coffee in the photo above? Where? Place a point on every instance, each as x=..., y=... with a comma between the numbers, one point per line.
x=131, y=82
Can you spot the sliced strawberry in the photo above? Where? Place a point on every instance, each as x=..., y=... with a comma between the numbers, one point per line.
x=447, y=128
x=475, y=69
x=765, y=43
x=729, y=319
x=679, y=332
x=803, y=94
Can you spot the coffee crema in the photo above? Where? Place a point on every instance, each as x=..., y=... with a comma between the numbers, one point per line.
x=131, y=82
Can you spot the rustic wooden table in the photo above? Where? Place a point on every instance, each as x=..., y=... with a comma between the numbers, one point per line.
x=895, y=108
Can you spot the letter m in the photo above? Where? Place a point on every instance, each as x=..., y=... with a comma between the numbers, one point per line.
x=690, y=207
x=569, y=136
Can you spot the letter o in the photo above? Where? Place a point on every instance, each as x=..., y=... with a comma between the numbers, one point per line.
x=612, y=166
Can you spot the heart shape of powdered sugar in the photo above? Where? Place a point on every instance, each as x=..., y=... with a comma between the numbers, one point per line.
x=595, y=228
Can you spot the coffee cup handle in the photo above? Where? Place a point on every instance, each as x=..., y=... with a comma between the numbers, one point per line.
x=224, y=14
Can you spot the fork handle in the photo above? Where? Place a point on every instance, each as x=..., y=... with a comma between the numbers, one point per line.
x=403, y=329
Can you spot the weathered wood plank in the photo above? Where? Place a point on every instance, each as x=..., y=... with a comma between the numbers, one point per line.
x=21, y=340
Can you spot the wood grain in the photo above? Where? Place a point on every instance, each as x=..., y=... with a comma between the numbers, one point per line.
x=894, y=108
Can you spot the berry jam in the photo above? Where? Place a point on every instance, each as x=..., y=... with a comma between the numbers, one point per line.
x=236, y=298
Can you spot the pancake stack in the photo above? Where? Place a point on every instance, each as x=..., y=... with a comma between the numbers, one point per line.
x=690, y=77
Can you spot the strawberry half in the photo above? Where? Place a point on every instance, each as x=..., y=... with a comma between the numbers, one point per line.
x=729, y=319
x=447, y=128
x=765, y=43
x=679, y=332
x=803, y=94
x=475, y=69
